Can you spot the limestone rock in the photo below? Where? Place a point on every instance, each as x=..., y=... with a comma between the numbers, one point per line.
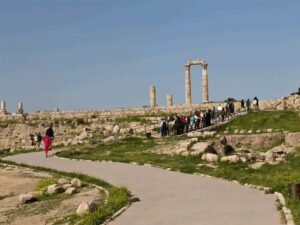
x=277, y=153
x=269, y=130
x=231, y=159
x=66, y=186
x=209, y=133
x=293, y=139
x=35, y=194
x=257, y=165
x=86, y=207
x=54, y=189
x=71, y=191
x=200, y=148
x=243, y=159
x=76, y=182
x=186, y=144
x=62, y=181
x=209, y=157
x=24, y=198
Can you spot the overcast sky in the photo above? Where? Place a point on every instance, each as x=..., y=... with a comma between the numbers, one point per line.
x=95, y=54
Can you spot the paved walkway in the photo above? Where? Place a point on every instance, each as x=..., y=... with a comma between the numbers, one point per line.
x=172, y=198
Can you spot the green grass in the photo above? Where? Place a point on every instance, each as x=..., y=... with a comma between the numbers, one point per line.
x=262, y=120
x=43, y=183
x=128, y=119
x=5, y=123
x=137, y=150
x=118, y=197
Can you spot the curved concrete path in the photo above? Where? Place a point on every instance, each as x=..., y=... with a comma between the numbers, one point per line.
x=172, y=198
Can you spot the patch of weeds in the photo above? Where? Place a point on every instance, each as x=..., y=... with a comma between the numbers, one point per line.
x=44, y=183
x=5, y=123
x=128, y=119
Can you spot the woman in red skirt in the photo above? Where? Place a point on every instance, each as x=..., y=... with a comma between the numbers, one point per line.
x=48, y=139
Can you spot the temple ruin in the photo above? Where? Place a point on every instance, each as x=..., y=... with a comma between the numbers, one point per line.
x=152, y=96
x=188, y=98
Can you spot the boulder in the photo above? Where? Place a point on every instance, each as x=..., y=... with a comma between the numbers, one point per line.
x=257, y=165
x=186, y=144
x=292, y=139
x=201, y=147
x=71, y=191
x=209, y=133
x=62, y=181
x=24, y=198
x=231, y=159
x=86, y=207
x=35, y=194
x=243, y=159
x=269, y=130
x=54, y=189
x=195, y=134
x=66, y=186
x=209, y=157
x=278, y=151
x=76, y=182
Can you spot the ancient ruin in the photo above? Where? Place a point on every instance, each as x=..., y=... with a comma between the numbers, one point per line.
x=169, y=100
x=20, y=108
x=3, y=107
x=188, y=98
x=152, y=96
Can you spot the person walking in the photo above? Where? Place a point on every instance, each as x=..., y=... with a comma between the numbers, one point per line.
x=48, y=139
x=242, y=104
x=38, y=140
x=248, y=103
x=256, y=102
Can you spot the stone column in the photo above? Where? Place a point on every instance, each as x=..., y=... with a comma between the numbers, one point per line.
x=204, y=83
x=20, y=108
x=152, y=96
x=188, y=100
x=169, y=100
x=3, y=107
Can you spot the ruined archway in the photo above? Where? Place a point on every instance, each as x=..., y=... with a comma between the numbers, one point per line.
x=188, y=98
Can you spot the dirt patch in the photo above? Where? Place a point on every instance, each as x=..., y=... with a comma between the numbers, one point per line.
x=17, y=180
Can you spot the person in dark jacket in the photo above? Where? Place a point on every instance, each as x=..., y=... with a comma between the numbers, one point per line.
x=243, y=103
x=248, y=103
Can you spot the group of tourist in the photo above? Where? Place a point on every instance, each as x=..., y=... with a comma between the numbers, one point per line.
x=176, y=125
x=247, y=103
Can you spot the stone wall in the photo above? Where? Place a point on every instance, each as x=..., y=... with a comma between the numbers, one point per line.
x=100, y=122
